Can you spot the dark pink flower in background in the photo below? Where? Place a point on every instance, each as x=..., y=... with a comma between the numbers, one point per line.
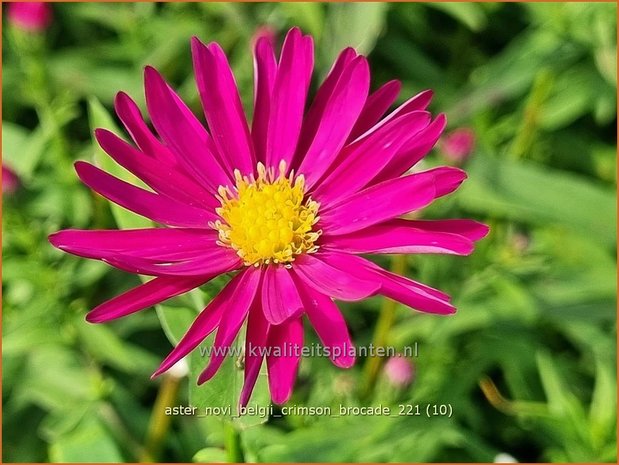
x=399, y=371
x=30, y=16
x=458, y=145
x=10, y=180
x=287, y=204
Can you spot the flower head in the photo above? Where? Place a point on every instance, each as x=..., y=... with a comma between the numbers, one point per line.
x=458, y=145
x=30, y=16
x=287, y=204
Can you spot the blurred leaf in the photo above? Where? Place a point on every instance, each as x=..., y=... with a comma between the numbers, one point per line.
x=472, y=15
x=540, y=195
x=210, y=455
x=88, y=442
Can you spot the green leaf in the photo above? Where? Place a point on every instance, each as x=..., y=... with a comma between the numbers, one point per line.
x=531, y=193
x=355, y=25
x=472, y=15
x=88, y=442
x=210, y=455
x=224, y=389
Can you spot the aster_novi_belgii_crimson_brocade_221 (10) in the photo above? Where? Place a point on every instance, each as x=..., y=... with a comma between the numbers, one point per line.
x=287, y=204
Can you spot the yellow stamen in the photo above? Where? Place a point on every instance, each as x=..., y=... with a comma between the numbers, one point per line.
x=269, y=219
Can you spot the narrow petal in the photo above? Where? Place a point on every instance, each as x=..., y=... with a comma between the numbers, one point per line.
x=473, y=230
x=323, y=95
x=160, y=175
x=414, y=150
x=378, y=203
x=289, y=95
x=145, y=243
x=206, y=322
x=360, y=162
x=232, y=319
x=399, y=236
x=399, y=288
x=131, y=117
x=255, y=342
x=183, y=133
x=288, y=338
x=447, y=179
x=145, y=295
x=280, y=298
x=375, y=107
x=265, y=70
x=330, y=326
x=148, y=204
x=212, y=260
x=222, y=107
x=332, y=281
x=417, y=103
x=338, y=118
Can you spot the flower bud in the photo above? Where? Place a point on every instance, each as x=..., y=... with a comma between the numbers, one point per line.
x=10, y=180
x=400, y=371
x=30, y=16
x=458, y=145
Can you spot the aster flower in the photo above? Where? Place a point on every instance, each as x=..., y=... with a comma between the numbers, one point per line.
x=30, y=16
x=287, y=204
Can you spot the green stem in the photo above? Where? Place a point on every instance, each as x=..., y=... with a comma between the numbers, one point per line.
x=381, y=333
x=234, y=448
x=160, y=422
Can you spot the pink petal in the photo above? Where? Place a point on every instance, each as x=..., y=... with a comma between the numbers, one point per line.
x=211, y=260
x=399, y=288
x=148, y=204
x=144, y=243
x=414, y=150
x=361, y=161
x=338, y=118
x=417, y=103
x=160, y=175
x=447, y=179
x=145, y=295
x=222, y=106
x=255, y=341
x=288, y=337
x=265, y=70
x=232, y=319
x=131, y=117
x=183, y=133
x=330, y=326
x=288, y=101
x=470, y=229
x=332, y=281
x=323, y=95
x=230, y=299
x=399, y=236
x=375, y=107
x=280, y=298
x=378, y=203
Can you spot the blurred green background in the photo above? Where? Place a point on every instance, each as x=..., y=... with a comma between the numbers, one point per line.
x=528, y=363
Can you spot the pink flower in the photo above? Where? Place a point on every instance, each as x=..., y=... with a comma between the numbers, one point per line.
x=399, y=371
x=10, y=180
x=30, y=16
x=458, y=145
x=287, y=204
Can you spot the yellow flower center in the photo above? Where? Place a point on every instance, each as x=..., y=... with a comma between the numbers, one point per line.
x=267, y=219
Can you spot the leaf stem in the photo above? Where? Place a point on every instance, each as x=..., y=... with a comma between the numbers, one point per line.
x=381, y=333
x=234, y=448
x=160, y=422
